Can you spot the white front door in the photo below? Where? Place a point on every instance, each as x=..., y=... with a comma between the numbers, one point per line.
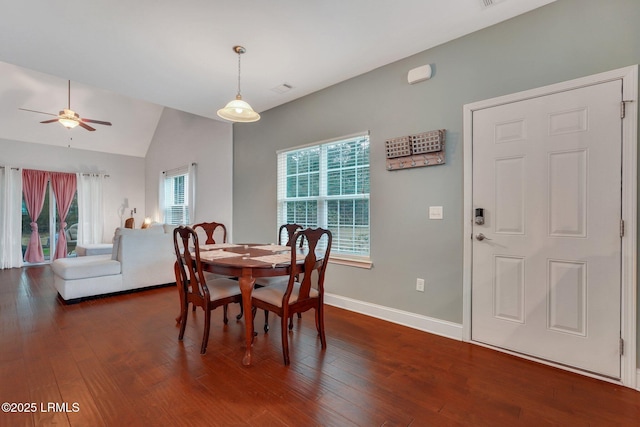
x=546, y=277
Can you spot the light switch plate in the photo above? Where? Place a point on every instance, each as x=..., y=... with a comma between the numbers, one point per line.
x=435, y=212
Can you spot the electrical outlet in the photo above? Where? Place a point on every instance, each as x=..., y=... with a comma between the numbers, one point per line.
x=420, y=285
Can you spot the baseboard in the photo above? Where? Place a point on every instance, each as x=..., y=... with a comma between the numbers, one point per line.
x=405, y=318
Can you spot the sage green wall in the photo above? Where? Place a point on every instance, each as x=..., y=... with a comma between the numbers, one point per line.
x=561, y=41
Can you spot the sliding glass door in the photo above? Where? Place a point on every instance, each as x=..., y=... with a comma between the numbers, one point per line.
x=48, y=225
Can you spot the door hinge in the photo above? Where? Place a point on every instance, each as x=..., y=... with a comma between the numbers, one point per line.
x=622, y=228
x=623, y=108
x=621, y=347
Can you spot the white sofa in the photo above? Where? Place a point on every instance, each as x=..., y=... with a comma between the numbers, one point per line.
x=140, y=258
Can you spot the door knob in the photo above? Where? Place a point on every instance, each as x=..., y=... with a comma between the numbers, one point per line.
x=481, y=237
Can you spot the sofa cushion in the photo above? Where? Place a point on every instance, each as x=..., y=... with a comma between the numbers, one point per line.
x=85, y=267
x=168, y=228
x=94, y=249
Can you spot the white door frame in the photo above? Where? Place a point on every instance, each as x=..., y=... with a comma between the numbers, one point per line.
x=629, y=76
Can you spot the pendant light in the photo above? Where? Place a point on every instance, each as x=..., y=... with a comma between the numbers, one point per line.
x=238, y=110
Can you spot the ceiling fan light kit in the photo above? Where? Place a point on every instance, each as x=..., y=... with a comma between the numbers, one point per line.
x=238, y=110
x=69, y=118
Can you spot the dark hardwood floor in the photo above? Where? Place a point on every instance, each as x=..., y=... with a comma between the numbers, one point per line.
x=117, y=361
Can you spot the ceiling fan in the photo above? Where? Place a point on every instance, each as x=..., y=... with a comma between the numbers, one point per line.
x=69, y=118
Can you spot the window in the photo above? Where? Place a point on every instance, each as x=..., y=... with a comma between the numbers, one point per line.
x=176, y=198
x=327, y=185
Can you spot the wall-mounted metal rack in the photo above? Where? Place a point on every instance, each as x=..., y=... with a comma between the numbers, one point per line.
x=414, y=151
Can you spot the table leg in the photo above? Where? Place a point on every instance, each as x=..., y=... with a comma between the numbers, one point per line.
x=246, y=287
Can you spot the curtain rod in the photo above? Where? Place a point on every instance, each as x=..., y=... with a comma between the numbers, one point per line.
x=82, y=173
x=175, y=169
x=89, y=174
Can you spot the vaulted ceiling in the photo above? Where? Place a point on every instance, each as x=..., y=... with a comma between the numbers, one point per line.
x=128, y=59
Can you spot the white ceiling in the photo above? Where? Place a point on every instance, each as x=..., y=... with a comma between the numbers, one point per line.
x=127, y=59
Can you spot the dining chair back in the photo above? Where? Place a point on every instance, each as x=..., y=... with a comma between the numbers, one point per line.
x=195, y=287
x=305, y=288
x=215, y=232
x=289, y=229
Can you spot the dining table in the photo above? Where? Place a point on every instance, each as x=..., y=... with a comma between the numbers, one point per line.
x=247, y=262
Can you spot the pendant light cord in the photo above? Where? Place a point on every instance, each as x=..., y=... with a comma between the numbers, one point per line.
x=239, y=53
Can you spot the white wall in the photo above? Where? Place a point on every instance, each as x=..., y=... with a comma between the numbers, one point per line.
x=125, y=182
x=182, y=138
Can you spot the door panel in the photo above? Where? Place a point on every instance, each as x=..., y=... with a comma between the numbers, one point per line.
x=546, y=280
x=568, y=193
x=509, y=195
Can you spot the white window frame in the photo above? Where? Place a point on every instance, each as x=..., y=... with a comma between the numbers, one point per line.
x=188, y=205
x=355, y=258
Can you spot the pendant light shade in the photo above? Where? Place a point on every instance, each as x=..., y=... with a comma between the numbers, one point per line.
x=238, y=110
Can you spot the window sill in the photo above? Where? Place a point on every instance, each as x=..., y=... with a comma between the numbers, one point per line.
x=351, y=262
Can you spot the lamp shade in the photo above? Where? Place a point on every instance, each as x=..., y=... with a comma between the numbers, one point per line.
x=238, y=111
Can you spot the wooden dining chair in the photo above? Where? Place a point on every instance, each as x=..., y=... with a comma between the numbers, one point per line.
x=285, y=234
x=211, y=231
x=194, y=286
x=305, y=288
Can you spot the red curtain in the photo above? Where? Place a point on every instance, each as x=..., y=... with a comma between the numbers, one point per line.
x=64, y=187
x=34, y=187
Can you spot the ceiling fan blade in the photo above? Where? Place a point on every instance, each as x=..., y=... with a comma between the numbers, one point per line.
x=99, y=122
x=41, y=112
x=50, y=121
x=87, y=127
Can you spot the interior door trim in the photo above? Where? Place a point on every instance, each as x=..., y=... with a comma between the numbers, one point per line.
x=629, y=77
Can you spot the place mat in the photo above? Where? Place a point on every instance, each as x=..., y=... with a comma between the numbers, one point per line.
x=274, y=259
x=209, y=255
x=273, y=248
x=217, y=246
